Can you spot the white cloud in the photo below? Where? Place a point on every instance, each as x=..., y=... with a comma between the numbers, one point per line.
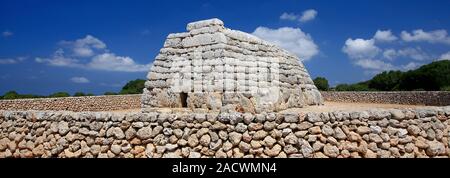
x=384, y=36
x=8, y=61
x=308, y=15
x=111, y=62
x=91, y=53
x=85, y=47
x=445, y=56
x=12, y=60
x=360, y=48
x=410, y=66
x=371, y=64
x=59, y=59
x=390, y=54
x=79, y=80
x=412, y=53
x=7, y=33
x=436, y=36
x=288, y=16
x=364, y=53
x=291, y=39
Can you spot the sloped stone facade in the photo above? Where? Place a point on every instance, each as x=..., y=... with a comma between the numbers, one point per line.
x=214, y=68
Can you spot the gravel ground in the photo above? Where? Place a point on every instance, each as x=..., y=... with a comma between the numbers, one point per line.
x=327, y=107
x=336, y=106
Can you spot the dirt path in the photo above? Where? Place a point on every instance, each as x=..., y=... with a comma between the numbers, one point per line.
x=327, y=107
x=336, y=106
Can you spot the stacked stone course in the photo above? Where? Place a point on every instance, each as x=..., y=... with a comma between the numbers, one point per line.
x=430, y=98
x=377, y=133
x=77, y=104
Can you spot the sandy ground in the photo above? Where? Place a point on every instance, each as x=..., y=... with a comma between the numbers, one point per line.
x=338, y=106
x=327, y=107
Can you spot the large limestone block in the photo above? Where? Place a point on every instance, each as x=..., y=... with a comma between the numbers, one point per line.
x=204, y=23
x=204, y=39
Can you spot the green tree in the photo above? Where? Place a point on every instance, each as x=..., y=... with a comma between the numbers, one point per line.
x=11, y=95
x=429, y=77
x=133, y=87
x=30, y=96
x=446, y=88
x=59, y=94
x=110, y=93
x=90, y=94
x=79, y=94
x=362, y=86
x=341, y=87
x=386, y=81
x=321, y=83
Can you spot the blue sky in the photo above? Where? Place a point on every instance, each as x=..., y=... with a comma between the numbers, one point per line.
x=98, y=45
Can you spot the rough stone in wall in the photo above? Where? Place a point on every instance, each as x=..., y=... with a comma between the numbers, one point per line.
x=216, y=68
x=375, y=133
x=84, y=103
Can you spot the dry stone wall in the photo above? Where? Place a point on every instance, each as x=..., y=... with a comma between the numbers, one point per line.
x=84, y=103
x=376, y=133
x=431, y=98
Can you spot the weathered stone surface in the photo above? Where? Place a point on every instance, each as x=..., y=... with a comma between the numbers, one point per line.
x=241, y=128
x=115, y=132
x=307, y=150
x=234, y=138
x=363, y=130
x=194, y=154
x=314, y=130
x=331, y=150
x=291, y=117
x=274, y=151
x=435, y=148
x=259, y=135
x=205, y=140
x=268, y=142
x=63, y=128
x=245, y=147
x=116, y=149
x=193, y=141
x=397, y=114
x=313, y=117
x=144, y=133
x=327, y=130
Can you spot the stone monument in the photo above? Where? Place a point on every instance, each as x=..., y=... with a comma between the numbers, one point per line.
x=219, y=69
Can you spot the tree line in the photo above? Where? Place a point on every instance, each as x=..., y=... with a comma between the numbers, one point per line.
x=431, y=77
x=132, y=87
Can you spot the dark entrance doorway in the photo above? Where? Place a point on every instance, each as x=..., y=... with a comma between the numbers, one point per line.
x=183, y=98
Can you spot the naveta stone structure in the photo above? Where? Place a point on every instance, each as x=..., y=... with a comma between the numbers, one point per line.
x=216, y=68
